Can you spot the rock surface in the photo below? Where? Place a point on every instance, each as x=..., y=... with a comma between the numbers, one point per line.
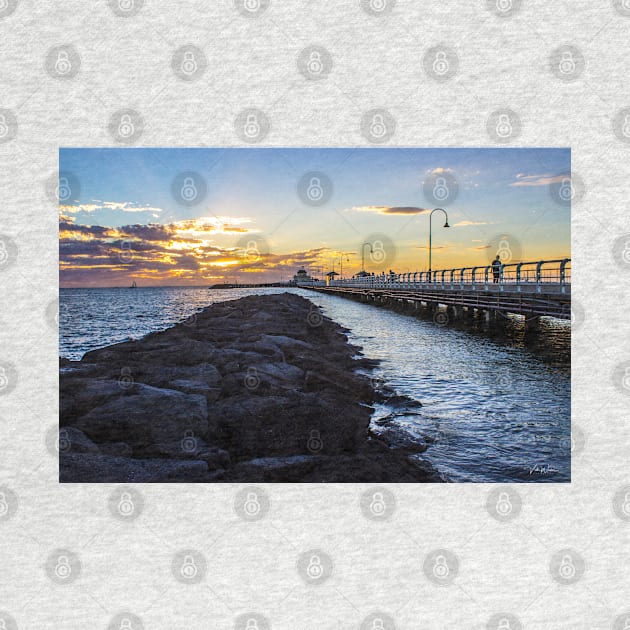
x=255, y=389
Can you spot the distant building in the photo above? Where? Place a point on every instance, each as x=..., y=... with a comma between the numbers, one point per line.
x=330, y=276
x=301, y=277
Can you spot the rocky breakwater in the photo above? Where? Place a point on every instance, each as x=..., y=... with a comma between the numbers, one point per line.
x=263, y=388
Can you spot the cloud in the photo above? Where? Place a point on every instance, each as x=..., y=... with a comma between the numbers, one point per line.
x=120, y=206
x=538, y=180
x=440, y=171
x=396, y=210
x=467, y=223
x=480, y=247
x=180, y=252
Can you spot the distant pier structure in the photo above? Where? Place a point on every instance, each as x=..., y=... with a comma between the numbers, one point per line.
x=532, y=289
x=302, y=277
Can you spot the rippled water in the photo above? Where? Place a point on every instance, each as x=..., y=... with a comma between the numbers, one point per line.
x=493, y=410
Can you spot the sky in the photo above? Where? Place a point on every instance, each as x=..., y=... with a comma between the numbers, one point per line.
x=203, y=216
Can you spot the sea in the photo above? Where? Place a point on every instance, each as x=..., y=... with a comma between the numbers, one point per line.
x=493, y=408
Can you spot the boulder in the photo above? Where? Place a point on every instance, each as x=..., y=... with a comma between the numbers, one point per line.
x=89, y=468
x=71, y=440
x=144, y=416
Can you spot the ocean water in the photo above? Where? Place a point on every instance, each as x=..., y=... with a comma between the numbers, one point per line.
x=493, y=409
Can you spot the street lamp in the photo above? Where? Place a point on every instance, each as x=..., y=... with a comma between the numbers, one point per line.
x=363, y=255
x=430, y=235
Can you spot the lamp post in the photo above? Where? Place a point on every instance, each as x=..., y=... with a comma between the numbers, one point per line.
x=363, y=255
x=430, y=235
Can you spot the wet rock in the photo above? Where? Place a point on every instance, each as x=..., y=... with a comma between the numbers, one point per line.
x=144, y=416
x=71, y=440
x=89, y=468
x=117, y=449
x=247, y=391
x=398, y=438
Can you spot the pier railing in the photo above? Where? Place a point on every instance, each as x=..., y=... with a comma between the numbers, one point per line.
x=538, y=276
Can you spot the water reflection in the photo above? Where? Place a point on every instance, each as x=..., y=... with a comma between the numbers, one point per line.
x=495, y=404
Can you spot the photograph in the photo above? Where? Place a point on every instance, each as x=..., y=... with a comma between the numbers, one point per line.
x=315, y=315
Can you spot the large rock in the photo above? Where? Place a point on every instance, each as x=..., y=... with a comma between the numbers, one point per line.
x=144, y=416
x=71, y=440
x=289, y=424
x=266, y=392
x=81, y=467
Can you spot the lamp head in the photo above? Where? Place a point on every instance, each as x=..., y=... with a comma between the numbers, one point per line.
x=446, y=224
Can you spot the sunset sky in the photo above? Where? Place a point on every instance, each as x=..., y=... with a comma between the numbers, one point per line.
x=123, y=215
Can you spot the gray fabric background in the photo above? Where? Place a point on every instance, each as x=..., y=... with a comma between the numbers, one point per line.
x=506, y=565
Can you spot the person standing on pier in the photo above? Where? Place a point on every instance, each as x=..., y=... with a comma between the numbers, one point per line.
x=496, y=269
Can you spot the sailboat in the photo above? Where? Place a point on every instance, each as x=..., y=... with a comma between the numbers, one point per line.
x=133, y=285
